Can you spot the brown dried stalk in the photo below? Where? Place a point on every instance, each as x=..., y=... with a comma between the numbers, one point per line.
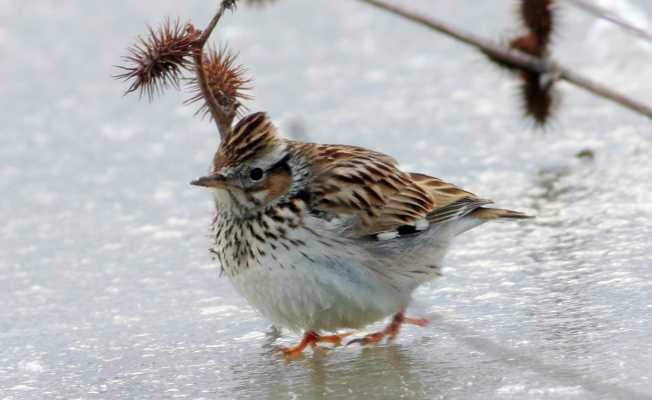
x=223, y=110
x=517, y=59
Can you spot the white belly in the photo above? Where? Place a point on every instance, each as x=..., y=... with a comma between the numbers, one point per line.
x=324, y=281
x=318, y=287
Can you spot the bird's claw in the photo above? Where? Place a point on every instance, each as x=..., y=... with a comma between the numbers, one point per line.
x=371, y=338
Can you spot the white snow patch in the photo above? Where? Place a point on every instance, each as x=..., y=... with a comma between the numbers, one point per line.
x=375, y=76
x=510, y=389
x=118, y=133
x=210, y=299
x=558, y=391
x=21, y=388
x=174, y=221
x=145, y=229
x=449, y=290
x=224, y=310
x=163, y=194
x=165, y=235
x=112, y=246
x=250, y=336
x=44, y=198
x=31, y=366
x=9, y=171
x=488, y=295
x=124, y=320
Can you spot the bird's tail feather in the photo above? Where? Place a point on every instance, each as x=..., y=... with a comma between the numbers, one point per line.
x=487, y=214
x=476, y=217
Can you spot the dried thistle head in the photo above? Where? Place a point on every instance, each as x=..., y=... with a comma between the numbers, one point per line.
x=537, y=92
x=528, y=43
x=224, y=77
x=538, y=18
x=157, y=61
x=539, y=97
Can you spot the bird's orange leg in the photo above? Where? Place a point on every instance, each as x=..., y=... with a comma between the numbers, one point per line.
x=311, y=338
x=391, y=330
x=335, y=340
x=422, y=322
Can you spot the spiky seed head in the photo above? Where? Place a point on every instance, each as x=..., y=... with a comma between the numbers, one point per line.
x=538, y=95
x=540, y=99
x=528, y=43
x=538, y=18
x=537, y=91
x=158, y=60
x=225, y=78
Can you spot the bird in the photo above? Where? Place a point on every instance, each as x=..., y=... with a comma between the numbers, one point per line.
x=321, y=238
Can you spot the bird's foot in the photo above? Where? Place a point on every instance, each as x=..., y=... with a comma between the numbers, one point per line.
x=391, y=330
x=422, y=322
x=372, y=338
x=312, y=338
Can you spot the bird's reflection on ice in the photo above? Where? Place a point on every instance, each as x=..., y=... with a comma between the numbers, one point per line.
x=376, y=372
x=453, y=361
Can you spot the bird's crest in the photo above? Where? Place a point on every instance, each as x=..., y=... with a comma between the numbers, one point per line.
x=253, y=136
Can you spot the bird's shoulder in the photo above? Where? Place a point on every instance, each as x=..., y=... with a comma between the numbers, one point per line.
x=367, y=189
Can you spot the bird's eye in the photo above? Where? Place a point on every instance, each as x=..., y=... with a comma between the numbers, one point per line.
x=256, y=174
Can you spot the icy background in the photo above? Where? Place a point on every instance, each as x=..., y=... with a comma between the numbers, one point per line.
x=107, y=290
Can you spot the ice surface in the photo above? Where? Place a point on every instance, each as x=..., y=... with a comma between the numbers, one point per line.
x=107, y=289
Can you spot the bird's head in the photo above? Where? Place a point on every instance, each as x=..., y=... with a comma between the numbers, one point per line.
x=251, y=169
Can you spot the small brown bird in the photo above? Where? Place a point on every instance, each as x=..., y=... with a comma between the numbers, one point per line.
x=316, y=237
x=325, y=237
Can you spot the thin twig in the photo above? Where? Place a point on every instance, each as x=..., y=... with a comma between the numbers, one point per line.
x=223, y=115
x=603, y=13
x=516, y=58
x=603, y=91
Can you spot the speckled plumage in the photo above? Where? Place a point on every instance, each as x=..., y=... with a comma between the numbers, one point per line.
x=329, y=236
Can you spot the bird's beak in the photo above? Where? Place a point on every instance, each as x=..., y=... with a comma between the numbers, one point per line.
x=211, y=181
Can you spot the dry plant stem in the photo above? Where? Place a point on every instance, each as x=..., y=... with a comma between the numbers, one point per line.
x=509, y=56
x=603, y=13
x=516, y=58
x=603, y=91
x=223, y=115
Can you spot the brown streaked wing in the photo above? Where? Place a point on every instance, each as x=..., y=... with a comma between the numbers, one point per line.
x=367, y=187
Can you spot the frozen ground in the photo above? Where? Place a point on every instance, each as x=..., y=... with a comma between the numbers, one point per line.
x=107, y=290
